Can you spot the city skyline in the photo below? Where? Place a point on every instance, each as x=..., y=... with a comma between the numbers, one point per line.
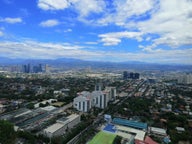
x=153, y=31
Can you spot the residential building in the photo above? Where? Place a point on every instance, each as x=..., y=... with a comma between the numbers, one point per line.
x=86, y=100
x=112, y=92
x=83, y=101
x=99, y=99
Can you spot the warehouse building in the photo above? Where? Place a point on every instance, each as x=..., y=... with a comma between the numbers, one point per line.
x=62, y=125
x=128, y=123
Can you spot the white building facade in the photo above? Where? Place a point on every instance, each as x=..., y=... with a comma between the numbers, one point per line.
x=86, y=100
x=83, y=101
x=185, y=79
x=62, y=125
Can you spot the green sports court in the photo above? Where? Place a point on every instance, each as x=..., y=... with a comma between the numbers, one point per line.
x=103, y=138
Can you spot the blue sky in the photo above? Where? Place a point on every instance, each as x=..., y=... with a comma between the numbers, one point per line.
x=101, y=30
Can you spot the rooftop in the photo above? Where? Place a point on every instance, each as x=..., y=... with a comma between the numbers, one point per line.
x=129, y=123
x=139, y=134
x=66, y=120
x=53, y=128
x=158, y=130
x=48, y=108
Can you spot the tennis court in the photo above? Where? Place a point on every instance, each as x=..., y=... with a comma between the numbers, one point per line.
x=103, y=138
x=110, y=128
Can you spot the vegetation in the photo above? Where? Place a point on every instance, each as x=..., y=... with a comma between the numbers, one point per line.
x=7, y=133
x=117, y=140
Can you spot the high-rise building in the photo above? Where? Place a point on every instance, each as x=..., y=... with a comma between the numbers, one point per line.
x=112, y=92
x=86, y=100
x=38, y=68
x=98, y=87
x=125, y=75
x=100, y=99
x=83, y=101
x=46, y=68
x=130, y=75
x=27, y=68
x=185, y=79
x=137, y=75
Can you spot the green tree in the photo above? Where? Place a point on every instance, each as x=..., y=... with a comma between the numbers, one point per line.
x=7, y=133
x=30, y=106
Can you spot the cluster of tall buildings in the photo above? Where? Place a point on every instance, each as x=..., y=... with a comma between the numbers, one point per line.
x=130, y=75
x=34, y=68
x=98, y=98
x=185, y=79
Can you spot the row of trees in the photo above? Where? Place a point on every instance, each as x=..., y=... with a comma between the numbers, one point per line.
x=9, y=136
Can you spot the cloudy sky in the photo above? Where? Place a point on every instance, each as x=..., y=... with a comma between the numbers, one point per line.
x=101, y=30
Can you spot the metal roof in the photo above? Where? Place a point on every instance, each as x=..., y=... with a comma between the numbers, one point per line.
x=129, y=123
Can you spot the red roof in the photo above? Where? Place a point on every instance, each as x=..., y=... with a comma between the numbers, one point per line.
x=149, y=140
x=140, y=142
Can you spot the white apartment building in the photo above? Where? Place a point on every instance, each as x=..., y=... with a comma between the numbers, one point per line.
x=100, y=99
x=83, y=101
x=86, y=100
x=112, y=92
x=185, y=79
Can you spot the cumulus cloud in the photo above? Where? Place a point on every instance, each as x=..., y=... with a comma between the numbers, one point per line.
x=126, y=9
x=171, y=21
x=53, y=4
x=35, y=49
x=50, y=23
x=83, y=7
x=11, y=20
x=115, y=37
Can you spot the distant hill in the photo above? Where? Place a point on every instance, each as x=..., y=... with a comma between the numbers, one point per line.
x=70, y=63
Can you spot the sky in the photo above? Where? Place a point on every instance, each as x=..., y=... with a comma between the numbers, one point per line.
x=154, y=31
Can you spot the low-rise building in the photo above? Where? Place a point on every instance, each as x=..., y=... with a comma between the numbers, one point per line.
x=157, y=131
x=180, y=129
x=62, y=125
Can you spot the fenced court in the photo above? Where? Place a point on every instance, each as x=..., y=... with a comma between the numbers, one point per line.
x=110, y=128
x=103, y=138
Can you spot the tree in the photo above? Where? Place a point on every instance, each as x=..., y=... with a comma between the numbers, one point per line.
x=30, y=106
x=7, y=133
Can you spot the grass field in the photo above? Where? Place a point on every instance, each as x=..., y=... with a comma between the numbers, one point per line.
x=103, y=138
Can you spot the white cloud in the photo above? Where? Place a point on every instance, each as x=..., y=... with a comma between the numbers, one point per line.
x=68, y=30
x=91, y=43
x=34, y=49
x=1, y=34
x=11, y=20
x=50, y=23
x=53, y=4
x=83, y=7
x=169, y=20
x=126, y=9
x=115, y=37
x=172, y=22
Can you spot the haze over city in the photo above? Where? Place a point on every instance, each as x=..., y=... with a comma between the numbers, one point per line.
x=158, y=31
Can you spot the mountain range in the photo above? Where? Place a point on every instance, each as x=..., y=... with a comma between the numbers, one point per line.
x=69, y=63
